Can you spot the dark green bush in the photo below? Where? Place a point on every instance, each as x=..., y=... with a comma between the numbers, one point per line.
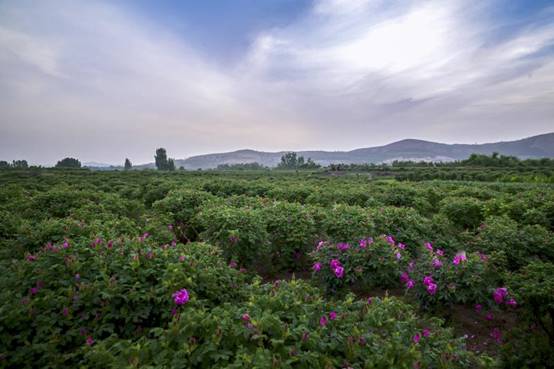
x=240, y=232
x=463, y=212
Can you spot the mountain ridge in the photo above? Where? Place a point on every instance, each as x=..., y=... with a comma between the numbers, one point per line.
x=538, y=146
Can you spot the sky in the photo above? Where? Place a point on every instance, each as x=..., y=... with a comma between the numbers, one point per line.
x=107, y=80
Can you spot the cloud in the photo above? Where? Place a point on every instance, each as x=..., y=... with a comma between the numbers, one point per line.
x=397, y=71
x=101, y=82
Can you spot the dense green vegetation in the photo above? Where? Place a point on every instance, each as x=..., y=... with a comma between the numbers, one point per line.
x=179, y=269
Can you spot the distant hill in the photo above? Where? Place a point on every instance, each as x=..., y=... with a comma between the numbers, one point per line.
x=409, y=149
x=94, y=164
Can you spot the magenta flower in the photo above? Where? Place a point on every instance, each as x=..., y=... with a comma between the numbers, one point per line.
x=245, y=317
x=182, y=258
x=320, y=244
x=410, y=284
x=440, y=252
x=339, y=272
x=401, y=246
x=512, y=303
x=416, y=338
x=65, y=244
x=332, y=315
x=499, y=294
x=34, y=290
x=369, y=301
x=478, y=308
x=65, y=311
x=31, y=257
x=489, y=316
x=426, y=332
x=181, y=297
x=432, y=288
x=411, y=266
x=343, y=246
x=170, y=227
x=398, y=256
x=232, y=264
x=404, y=277
x=429, y=246
x=461, y=256
x=427, y=280
x=437, y=263
x=363, y=243
x=334, y=263
x=497, y=335
x=323, y=321
x=390, y=240
x=316, y=267
x=90, y=341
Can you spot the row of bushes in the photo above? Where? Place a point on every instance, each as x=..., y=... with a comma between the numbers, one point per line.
x=135, y=303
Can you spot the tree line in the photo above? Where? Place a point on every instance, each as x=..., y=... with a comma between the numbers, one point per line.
x=291, y=160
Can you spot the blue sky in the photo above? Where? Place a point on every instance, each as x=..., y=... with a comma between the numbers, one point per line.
x=105, y=80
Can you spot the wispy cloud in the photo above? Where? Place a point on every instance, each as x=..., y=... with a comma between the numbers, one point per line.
x=95, y=80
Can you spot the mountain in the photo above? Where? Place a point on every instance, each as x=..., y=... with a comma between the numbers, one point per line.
x=94, y=164
x=409, y=149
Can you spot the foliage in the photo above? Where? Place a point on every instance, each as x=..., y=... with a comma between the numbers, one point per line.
x=162, y=161
x=58, y=298
x=290, y=160
x=127, y=234
x=367, y=263
x=292, y=231
x=465, y=212
x=240, y=232
x=534, y=288
x=68, y=163
x=289, y=325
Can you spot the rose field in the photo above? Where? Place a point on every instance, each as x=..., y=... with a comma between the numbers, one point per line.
x=274, y=269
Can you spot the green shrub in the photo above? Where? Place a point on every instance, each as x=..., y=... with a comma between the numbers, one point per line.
x=281, y=326
x=180, y=206
x=343, y=223
x=292, y=234
x=534, y=290
x=367, y=264
x=440, y=281
x=406, y=224
x=240, y=232
x=463, y=212
x=54, y=300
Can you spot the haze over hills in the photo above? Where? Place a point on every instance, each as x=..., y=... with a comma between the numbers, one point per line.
x=409, y=149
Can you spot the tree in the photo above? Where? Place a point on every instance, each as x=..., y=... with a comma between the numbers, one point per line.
x=20, y=164
x=128, y=164
x=289, y=161
x=68, y=163
x=4, y=164
x=170, y=164
x=162, y=162
x=161, y=159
